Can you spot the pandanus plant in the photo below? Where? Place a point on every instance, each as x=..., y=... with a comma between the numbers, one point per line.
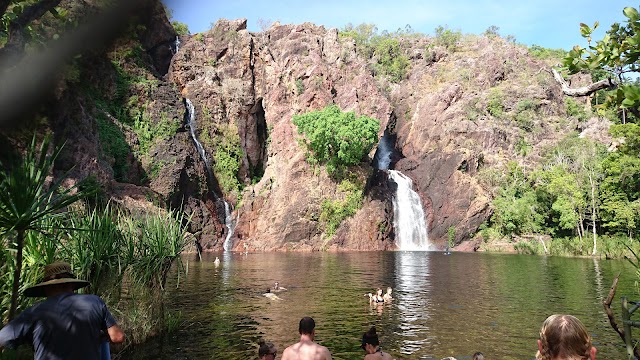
x=27, y=198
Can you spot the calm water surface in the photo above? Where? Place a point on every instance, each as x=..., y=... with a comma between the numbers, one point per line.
x=444, y=305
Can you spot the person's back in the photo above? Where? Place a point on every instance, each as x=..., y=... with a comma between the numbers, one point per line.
x=66, y=326
x=378, y=356
x=306, y=349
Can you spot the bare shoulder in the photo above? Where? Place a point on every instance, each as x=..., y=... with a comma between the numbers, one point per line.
x=288, y=353
x=327, y=353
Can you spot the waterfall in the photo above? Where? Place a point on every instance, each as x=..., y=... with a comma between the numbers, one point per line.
x=228, y=221
x=382, y=157
x=176, y=45
x=231, y=226
x=408, y=215
x=191, y=121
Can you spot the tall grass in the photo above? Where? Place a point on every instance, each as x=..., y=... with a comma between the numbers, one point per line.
x=126, y=258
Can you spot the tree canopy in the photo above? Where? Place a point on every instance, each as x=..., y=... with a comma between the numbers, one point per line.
x=618, y=54
x=335, y=138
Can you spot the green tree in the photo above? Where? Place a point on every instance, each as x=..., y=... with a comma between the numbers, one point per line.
x=618, y=53
x=27, y=199
x=180, y=28
x=390, y=60
x=621, y=185
x=362, y=35
x=569, y=183
x=516, y=208
x=335, y=138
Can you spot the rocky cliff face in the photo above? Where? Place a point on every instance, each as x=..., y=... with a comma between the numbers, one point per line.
x=457, y=118
x=257, y=82
x=441, y=114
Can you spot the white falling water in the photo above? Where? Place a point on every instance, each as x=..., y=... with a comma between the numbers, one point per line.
x=229, y=222
x=231, y=226
x=192, y=131
x=408, y=215
x=176, y=45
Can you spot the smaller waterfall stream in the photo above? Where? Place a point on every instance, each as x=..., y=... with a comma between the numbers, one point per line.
x=408, y=215
x=231, y=226
x=192, y=131
x=228, y=221
x=176, y=45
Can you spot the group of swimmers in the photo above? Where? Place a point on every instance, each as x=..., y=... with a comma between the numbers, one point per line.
x=562, y=337
x=378, y=298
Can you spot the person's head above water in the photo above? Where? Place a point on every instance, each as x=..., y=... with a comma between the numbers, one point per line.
x=307, y=326
x=267, y=350
x=370, y=338
x=564, y=337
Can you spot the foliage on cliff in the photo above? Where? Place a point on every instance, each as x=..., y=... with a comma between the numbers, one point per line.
x=336, y=139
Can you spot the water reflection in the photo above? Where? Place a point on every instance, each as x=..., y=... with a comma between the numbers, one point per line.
x=443, y=305
x=413, y=299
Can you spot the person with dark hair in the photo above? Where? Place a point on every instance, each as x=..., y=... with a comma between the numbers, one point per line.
x=478, y=356
x=371, y=345
x=267, y=351
x=306, y=349
x=65, y=325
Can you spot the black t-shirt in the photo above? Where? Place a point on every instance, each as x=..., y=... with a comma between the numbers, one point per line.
x=65, y=326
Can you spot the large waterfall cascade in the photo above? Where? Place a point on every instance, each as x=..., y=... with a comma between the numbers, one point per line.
x=408, y=215
x=229, y=221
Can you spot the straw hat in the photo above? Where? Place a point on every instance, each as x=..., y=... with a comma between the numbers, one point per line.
x=55, y=274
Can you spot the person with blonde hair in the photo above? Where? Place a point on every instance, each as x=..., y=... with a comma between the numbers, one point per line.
x=564, y=337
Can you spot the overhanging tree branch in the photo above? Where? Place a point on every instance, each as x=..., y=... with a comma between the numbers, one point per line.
x=16, y=41
x=585, y=90
x=4, y=4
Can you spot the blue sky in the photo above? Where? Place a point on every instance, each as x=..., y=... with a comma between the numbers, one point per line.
x=549, y=23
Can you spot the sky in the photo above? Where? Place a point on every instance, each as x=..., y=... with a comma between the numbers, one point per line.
x=548, y=23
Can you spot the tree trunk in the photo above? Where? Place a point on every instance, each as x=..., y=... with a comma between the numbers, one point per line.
x=593, y=214
x=585, y=90
x=17, y=272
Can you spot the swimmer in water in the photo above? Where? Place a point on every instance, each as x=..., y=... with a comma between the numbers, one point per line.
x=387, y=297
x=377, y=298
x=278, y=288
x=271, y=296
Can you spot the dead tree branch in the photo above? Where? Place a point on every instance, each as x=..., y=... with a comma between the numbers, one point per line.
x=612, y=320
x=585, y=90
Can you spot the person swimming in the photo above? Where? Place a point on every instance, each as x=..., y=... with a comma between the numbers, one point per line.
x=387, y=297
x=271, y=296
x=278, y=288
x=377, y=298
